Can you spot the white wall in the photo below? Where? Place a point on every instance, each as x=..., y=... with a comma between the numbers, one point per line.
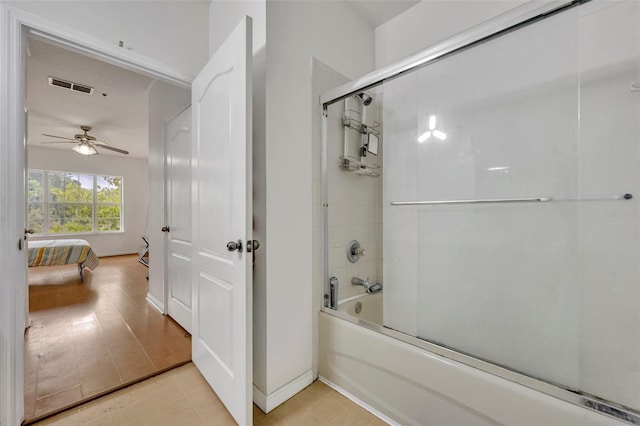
x=172, y=32
x=297, y=31
x=430, y=22
x=165, y=102
x=224, y=15
x=135, y=189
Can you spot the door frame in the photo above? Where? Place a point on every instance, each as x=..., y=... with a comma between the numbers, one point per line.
x=15, y=26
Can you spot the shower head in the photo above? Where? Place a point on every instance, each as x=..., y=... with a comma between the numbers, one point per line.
x=366, y=99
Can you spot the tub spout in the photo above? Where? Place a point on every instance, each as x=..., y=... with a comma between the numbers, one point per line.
x=374, y=288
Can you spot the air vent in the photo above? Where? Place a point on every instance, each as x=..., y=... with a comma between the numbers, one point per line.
x=70, y=85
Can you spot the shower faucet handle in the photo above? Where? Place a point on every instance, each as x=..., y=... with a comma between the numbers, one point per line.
x=354, y=251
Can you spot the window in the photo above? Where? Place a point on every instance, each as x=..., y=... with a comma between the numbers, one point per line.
x=68, y=203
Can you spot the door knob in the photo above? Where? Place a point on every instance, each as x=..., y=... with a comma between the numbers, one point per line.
x=252, y=245
x=165, y=229
x=235, y=246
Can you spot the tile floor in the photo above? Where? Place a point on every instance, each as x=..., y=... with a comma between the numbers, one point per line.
x=181, y=397
x=89, y=338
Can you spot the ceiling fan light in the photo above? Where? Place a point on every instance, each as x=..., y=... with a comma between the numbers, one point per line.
x=85, y=149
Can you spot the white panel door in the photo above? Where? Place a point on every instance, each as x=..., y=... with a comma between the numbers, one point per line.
x=222, y=218
x=178, y=172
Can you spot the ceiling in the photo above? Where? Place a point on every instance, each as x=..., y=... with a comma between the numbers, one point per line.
x=378, y=12
x=117, y=110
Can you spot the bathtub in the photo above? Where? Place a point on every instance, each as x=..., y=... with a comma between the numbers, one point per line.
x=408, y=385
x=365, y=306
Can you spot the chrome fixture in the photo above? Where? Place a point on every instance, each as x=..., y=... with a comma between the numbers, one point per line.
x=235, y=246
x=333, y=293
x=252, y=245
x=371, y=288
x=354, y=251
x=355, y=118
x=511, y=200
x=366, y=99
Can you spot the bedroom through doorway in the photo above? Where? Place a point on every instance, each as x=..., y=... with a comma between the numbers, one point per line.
x=98, y=331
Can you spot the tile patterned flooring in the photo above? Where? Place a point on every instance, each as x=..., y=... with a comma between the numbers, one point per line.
x=89, y=338
x=181, y=397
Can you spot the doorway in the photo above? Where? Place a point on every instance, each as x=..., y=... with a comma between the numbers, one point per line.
x=12, y=187
x=91, y=336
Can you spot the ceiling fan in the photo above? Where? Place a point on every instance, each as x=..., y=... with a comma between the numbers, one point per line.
x=85, y=143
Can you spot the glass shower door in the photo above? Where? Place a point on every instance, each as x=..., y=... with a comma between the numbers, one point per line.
x=543, y=279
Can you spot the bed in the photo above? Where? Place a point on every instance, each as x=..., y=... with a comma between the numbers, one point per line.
x=63, y=252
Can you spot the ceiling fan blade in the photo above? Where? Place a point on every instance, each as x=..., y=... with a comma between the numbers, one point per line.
x=59, y=137
x=121, y=151
x=59, y=142
x=99, y=143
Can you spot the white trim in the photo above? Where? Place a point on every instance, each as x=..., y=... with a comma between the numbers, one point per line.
x=268, y=402
x=12, y=154
x=358, y=401
x=14, y=26
x=155, y=303
x=165, y=240
x=88, y=45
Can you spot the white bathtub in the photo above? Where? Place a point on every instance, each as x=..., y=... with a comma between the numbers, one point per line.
x=412, y=386
x=370, y=307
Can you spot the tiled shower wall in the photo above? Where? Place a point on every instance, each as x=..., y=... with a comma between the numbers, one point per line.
x=355, y=211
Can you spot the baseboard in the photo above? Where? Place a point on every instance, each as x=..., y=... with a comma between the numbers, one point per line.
x=155, y=303
x=358, y=401
x=117, y=254
x=269, y=402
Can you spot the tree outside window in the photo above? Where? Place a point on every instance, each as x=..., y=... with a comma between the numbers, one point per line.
x=67, y=203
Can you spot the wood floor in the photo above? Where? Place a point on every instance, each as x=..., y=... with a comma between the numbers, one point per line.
x=89, y=338
x=181, y=397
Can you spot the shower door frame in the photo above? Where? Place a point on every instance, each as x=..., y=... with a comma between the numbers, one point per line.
x=512, y=20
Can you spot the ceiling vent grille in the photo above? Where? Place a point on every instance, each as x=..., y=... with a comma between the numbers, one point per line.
x=70, y=85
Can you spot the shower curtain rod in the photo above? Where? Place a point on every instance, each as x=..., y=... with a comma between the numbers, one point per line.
x=510, y=200
x=511, y=20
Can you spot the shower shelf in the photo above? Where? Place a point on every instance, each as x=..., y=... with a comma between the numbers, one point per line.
x=354, y=165
x=352, y=123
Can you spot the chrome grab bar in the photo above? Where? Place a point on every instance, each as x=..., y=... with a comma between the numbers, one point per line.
x=509, y=200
